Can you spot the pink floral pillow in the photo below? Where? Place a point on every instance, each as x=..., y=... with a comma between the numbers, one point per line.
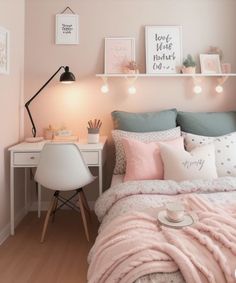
x=143, y=160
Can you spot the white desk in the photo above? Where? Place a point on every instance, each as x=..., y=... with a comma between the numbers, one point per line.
x=26, y=155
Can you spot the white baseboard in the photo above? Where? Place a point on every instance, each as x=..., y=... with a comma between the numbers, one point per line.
x=45, y=205
x=5, y=232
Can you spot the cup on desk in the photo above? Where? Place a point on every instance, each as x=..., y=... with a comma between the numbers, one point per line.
x=93, y=135
x=174, y=211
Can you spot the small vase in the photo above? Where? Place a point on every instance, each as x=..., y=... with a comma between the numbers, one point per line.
x=226, y=68
x=188, y=70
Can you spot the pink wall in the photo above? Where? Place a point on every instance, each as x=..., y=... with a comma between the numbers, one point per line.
x=205, y=23
x=11, y=17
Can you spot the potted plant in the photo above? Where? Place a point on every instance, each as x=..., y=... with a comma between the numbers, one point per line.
x=189, y=65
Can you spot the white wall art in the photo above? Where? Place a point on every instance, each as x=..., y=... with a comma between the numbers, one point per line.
x=67, y=29
x=210, y=63
x=163, y=49
x=4, y=51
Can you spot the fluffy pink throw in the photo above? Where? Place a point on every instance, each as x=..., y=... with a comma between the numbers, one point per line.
x=135, y=245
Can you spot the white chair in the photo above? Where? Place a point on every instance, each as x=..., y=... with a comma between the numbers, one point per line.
x=62, y=168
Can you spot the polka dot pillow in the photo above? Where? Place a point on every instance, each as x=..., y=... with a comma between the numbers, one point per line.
x=225, y=150
x=146, y=137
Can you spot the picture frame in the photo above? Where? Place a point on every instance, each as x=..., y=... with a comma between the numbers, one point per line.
x=119, y=51
x=4, y=51
x=67, y=29
x=210, y=64
x=164, y=52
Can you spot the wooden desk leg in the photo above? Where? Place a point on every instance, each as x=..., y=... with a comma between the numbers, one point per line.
x=26, y=193
x=39, y=200
x=12, y=212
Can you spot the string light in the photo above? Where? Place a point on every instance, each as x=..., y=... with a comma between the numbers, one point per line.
x=132, y=90
x=197, y=89
x=219, y=89
x=105, y=88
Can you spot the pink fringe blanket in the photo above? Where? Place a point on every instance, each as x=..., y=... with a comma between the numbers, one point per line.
x=135, y=244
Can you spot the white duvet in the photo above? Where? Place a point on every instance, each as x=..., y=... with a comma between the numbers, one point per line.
x=147, y=195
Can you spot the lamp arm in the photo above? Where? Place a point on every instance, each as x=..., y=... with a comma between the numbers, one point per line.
x=33, y=97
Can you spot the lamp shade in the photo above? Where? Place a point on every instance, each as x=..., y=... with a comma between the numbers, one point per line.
x=67, y=76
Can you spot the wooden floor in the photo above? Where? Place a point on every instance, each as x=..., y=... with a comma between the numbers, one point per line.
x=62, y=258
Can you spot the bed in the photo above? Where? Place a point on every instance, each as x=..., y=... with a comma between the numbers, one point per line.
x=132, y=246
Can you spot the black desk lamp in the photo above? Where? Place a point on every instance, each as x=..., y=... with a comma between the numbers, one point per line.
x=66, y=77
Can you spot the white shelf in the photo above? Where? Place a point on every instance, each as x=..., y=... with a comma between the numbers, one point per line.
x=164, y=75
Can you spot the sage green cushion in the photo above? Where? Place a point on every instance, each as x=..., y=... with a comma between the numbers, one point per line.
x=144, y=122
x=207, y=123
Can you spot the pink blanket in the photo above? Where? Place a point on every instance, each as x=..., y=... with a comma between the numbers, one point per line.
x=135, y=244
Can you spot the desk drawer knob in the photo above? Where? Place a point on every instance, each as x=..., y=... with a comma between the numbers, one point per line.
x=32, y=157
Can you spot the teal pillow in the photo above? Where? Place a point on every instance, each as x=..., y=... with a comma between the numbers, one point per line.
x=210, y=124
x=144, y=122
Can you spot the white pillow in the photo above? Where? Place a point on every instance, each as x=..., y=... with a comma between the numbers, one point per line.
x=143, y=137
x=225, y=149
x=180, y=165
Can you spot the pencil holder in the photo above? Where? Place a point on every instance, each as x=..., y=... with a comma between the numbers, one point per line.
x=93, y=135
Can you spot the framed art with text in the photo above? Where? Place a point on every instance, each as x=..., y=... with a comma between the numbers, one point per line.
x=210, y=63
x=163, y=49
x=119, y=52
x=4, y=51
x=67, y=29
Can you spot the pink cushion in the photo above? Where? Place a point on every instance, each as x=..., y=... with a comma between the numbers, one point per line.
x=143, y=160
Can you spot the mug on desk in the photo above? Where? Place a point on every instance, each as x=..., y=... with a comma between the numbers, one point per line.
x=93, y=135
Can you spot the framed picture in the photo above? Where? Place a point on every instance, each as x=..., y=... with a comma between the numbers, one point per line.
x=4, y=51
x=119, y=51
x=163, y=49
x=210, y=63
x=67, y=29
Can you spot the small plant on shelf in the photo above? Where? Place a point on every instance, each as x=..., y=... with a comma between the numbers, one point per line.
x=132, y=68
x=189, y=65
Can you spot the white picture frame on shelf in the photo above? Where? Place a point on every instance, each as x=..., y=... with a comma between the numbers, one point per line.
x=210, y=64
x=67, y=29
x=164, y=54
x=119, y=52
x=4, y=51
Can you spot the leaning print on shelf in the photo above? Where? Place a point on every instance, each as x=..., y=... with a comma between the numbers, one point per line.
x=163, y=49
x=119, y=52
x=210, y=63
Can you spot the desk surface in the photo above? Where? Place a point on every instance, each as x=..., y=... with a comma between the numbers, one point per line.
x=37, y=146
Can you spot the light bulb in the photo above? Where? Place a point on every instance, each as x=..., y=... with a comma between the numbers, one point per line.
x=132, y=90
x=219, y=89
x=105, y=88
x=197, y=89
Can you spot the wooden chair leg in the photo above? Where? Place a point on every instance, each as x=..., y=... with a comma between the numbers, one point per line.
x=45, y=226
x=84, y=200
x=81, y=206
x=54, y=208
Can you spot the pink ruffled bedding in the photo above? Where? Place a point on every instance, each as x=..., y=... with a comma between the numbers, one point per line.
x=132, y=244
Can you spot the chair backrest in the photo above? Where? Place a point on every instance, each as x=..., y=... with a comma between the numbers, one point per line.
x=61, y=167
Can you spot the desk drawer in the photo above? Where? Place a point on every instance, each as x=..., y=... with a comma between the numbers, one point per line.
x=26, y=158
x=91, y=157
